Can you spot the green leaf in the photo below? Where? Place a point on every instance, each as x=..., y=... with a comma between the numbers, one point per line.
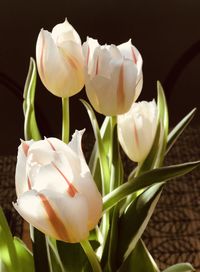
x=55, y=258
x=24, y=256
x=73, y=257
x=178, y=130
x=164, y=123
x=135, y=219
x=94, y=164
x=104, y=132
x=40, y=248
x=105, y=171
x=181, y=267
x=139, y=260
x=3, y=267
x=8, y=253
x=31, y=130
x=117, y=177
x=148, y=178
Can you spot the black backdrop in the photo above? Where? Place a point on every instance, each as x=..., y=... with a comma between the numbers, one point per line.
x=165, y=32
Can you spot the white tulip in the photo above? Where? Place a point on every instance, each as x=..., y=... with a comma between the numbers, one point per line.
x=137, y=129
x=113, y=76
x=55, y=189
x=60, y=60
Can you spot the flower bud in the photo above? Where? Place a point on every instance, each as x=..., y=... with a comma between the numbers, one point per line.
x=113, y=76
x=137, y=129
x=60, y=60
x=55, y=189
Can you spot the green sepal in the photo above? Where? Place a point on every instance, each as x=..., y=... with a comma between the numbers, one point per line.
x=151, y=177
x=24, y=255
x=8, y=254
x=181, y=267
x=31, y=130
x=179, y=129
x=135, y=219
x=139, y=260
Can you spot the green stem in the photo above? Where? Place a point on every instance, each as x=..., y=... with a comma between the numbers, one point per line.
x=65, y=120
x=92, y=257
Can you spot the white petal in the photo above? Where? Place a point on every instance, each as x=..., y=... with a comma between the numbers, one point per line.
x=47, y=177
x=73, y=212
x=137, y=128
x=88, y=51
x=76, y=147
x=30, y=207
x=85, y=184
x=65, y=32
x=52, y=68
x=21, y=181
x=87, y=187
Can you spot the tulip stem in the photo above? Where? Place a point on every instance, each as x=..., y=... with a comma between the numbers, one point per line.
x=65, y=120
x=92, y=257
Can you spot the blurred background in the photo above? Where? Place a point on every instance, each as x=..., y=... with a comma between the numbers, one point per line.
x=165, y=32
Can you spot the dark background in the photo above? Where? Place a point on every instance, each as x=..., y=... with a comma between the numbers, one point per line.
x=167, y=33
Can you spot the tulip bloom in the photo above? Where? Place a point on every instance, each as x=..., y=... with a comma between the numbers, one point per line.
x=113, y=76
x=137, y=129
x=60, y=60
x=55, y=189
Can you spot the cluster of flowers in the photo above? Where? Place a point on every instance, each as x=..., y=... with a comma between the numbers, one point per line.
x=55, y=189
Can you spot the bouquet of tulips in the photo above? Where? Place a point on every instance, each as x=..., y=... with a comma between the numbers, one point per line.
x=89, y=217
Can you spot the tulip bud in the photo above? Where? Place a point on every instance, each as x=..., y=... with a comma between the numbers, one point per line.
x=55, y=189
x=60, y=60
x=113, y=76
x=137, y=129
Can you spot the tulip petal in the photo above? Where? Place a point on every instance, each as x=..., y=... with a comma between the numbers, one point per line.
x=74, y=214
x=47, y=177
x=65, y=32
x=73, y=56
x=85, y=183
x=76, y=147
x=119, y=89
x=88, y=51
x=130, y=52
x=21, y=181
x=51, y=66
x=61, y=217
x=29, y=207
x=137, y=129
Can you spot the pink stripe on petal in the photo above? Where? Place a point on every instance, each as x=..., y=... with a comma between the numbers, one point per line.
x=133, y=55
x=29, y=183
x=97, y=66
x=120, y=89
x=25, y=148
x=135, y=133
x=50, y=143
x=54, y=220
x=71, y=189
